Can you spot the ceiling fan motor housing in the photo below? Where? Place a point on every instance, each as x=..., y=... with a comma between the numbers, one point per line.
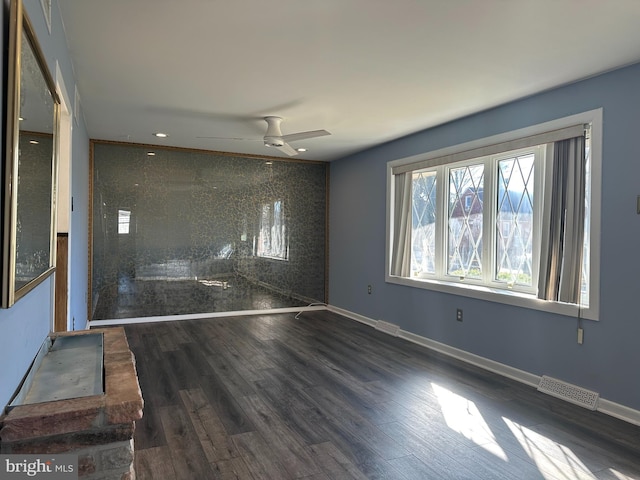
x=273, y=136
x=273, y=141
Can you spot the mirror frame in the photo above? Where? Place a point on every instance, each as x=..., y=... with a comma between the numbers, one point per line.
x=20, y=27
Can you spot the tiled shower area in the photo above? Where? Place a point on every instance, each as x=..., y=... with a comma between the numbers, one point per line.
x=179, y=232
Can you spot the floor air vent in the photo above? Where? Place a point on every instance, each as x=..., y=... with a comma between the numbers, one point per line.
x=387, y=327
x=570, y=393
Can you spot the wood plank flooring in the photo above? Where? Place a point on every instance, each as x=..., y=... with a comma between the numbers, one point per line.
x=324, y=397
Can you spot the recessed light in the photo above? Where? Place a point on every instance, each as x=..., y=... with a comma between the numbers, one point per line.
x=151, y=154
x=268, y=163
x=161, y=135
x=34, y=142
x=301, y=149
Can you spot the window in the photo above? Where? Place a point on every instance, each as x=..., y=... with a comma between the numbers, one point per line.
x=465, y=224
x=124, y=219
x=468, y=220
x=485, y=219
x=272, y=241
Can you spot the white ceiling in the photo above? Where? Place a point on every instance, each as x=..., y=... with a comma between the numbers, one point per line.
x=368, y=71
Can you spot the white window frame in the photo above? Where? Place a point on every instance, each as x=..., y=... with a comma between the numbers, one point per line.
x=511, y=297
x=490, y=164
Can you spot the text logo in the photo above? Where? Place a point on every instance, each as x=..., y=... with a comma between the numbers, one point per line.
x=51, y=467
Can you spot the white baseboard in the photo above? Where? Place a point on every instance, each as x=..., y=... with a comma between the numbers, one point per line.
x=619, y=411
x=353, y=316
x=199, y=316
x=482, y=362
x=607, y=407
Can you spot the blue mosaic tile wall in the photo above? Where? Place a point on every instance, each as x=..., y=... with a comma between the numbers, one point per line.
x=181, y=216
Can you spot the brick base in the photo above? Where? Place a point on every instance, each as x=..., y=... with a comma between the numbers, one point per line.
x=99, y=429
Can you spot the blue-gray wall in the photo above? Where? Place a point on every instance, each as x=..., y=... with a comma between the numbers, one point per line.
x=530, y=340
x=24, y=326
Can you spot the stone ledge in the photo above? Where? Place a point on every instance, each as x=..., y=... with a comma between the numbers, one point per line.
x=52, y=418
x=121, y=404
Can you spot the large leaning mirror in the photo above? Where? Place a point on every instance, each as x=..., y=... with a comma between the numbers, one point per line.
x=31, y=166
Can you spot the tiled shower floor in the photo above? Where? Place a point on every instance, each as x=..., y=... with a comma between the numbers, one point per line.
x=148, y=298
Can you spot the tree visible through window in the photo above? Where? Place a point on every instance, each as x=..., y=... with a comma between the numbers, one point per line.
x=514, y=222
x=465, y=221
x=423, y=233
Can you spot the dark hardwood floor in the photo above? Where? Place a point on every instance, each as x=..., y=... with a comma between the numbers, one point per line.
x=324, y=397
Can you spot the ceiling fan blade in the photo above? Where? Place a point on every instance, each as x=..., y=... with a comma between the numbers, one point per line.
x=288, y=149
x=292, y=137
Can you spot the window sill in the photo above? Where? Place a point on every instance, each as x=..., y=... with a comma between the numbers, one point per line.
x=506, y=297
x=275, y=259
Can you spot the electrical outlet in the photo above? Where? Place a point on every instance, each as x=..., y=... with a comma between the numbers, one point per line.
x=369, y=289
x=459, y=314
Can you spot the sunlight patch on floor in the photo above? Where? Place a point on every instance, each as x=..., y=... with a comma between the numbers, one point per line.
x=621, y=476
x=214, y=283
x=463, y=417
x=549, y=455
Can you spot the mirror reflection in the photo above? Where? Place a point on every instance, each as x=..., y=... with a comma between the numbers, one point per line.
x=33, y=228
x=30, y=189
x=186, y=232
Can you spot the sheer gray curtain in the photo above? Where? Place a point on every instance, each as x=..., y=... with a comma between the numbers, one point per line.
x=401, y=252
x=562, y=244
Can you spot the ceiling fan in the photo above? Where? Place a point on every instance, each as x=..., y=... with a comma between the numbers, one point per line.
x=274, y=137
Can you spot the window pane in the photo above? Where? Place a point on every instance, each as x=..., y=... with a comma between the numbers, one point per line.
x=277, y=229
x=124, y=217
x=514, y=220
x=264, y=239
x=465, y=221
x=272, y=239
x=423, y=238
